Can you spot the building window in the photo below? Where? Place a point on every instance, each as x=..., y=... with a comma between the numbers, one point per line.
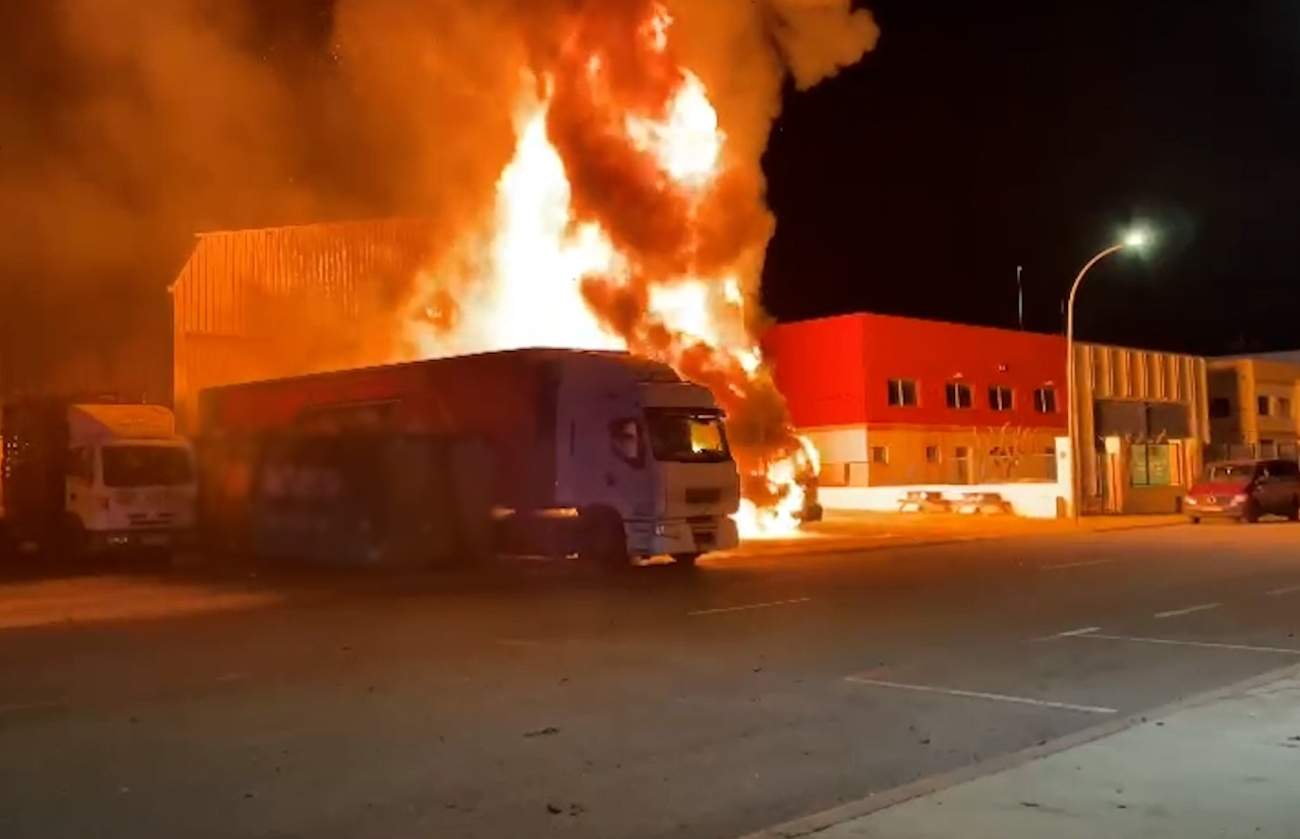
x=880, y=455
x=1045, y=400
x=902, y=393
x=959, y=395
x=1220, y=407
x=1152, y=465
x=1000, y=398
x=1263, y=405
x=1284, y=407
x=931, y=454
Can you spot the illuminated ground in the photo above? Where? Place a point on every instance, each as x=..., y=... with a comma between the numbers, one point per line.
x=553, y=702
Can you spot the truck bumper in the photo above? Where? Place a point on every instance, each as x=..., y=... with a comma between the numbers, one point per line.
x=126, y=540
x=682, y=536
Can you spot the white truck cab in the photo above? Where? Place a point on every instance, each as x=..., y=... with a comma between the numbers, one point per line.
x=653, y=448
x=129, y=479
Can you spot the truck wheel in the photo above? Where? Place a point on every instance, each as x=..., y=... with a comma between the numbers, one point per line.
x=73, y=544
x=1294, y=513
x=1252, y=512
x=602, y=538
x=685, y=560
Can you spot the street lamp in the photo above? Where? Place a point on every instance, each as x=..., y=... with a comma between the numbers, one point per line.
x=1136, y=238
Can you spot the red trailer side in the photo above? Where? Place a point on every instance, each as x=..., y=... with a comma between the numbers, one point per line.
x=506, y=399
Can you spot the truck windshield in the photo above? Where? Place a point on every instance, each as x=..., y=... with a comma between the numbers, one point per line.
x=686, y=436
x=142, y=466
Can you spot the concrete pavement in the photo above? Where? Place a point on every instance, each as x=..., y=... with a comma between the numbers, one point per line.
x=854, y=530
x=1223, y=766
x=553, y=701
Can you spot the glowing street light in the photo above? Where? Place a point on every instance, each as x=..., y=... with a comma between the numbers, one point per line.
x=1136, y=239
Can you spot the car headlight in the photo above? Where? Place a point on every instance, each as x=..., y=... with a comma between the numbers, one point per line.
x=1240, y=499
x=1190, y=501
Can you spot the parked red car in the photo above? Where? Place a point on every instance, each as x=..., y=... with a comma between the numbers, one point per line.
x=1246, y=490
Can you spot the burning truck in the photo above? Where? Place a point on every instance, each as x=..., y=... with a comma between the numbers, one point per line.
x=630, y=216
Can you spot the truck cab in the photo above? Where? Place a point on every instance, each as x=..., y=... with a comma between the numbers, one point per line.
x=640, y=443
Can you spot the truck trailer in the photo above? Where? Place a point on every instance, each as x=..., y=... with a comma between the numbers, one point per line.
x=596, y=454
x=84, y=477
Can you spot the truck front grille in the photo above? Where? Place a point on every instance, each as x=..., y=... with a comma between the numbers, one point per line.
x=697, y=495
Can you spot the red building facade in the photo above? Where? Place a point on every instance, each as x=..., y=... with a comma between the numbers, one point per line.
x=892, y=400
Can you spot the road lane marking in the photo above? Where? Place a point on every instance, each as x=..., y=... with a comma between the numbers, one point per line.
x=749, y=606
x=1278, y=592
x=1070, y=633
x=1083, y=564
x=975, y=694
x=1211, y=645
x=1173, y=613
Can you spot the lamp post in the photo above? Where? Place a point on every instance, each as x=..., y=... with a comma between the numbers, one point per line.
x=1135, y=239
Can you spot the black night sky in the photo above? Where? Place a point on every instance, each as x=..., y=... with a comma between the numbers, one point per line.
x=982, y=136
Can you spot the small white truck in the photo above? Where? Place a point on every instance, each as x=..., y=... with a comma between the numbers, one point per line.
x=82, y=477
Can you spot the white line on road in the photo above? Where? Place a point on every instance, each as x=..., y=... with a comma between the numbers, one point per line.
x=1173, y=613
x=1070, y=633
x=1278, y=592
x=974, y=694
x=1249, y=648
x=750, y=606
x=1084, y=564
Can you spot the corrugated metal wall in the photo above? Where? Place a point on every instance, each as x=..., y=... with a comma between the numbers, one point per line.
x=283, y=301
x=1123, y=374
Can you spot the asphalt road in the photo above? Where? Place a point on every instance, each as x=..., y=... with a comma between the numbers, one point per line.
x=655, y=703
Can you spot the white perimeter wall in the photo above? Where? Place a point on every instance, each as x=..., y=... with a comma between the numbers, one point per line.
x=1031, y=500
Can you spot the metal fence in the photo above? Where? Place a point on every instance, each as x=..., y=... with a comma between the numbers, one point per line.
x=1252, y=451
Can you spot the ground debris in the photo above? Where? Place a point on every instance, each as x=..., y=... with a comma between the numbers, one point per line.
x=543, y=732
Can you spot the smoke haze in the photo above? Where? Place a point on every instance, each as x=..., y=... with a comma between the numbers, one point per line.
x=129, y=126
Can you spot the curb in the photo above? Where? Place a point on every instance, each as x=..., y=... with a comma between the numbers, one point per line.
x=818, y=822
x=937, y=541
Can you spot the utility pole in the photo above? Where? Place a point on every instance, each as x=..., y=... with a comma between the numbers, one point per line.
x=1020, y=298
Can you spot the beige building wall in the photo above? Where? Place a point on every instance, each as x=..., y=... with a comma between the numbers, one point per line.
x=901, y=455
x=1248, y=383
x=1120, y=374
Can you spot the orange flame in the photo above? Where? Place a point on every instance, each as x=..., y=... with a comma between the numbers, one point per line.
x=553, y=270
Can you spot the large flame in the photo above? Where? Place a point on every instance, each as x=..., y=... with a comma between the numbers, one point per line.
x=549, y=271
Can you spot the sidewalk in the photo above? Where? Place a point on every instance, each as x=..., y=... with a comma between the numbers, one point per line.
x=844, y=531
x=1228, y=766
